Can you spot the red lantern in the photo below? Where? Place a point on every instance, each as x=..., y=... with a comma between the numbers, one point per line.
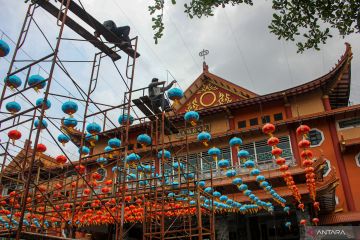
x=315, y=221
x=58, y=186
x=109, y=182
x=14, y=135
x=61, y=159
x=284, y=168
x=40, y=148
x=276, y=151
x=87, y=191
x=307, y=154
x=105, y=190
x=80, y=168
x=317, y=205
x=307, y=162
x=304, y=143
x=42, y=188
x=273, y=141
x=280, y=161
x=96, y=176
x=303, y=222
x=302, y=130
x=301, y=206
x=268, y=128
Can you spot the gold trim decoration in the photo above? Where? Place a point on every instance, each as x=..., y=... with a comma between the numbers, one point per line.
x=209, y=104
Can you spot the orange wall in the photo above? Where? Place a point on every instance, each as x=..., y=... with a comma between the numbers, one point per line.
x=327, y=149
x=307, y=103
x=353, y=171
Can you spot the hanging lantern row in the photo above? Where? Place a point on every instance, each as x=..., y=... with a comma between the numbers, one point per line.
x=276, y=152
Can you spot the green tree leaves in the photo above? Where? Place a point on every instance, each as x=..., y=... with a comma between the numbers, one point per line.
x=306, y=22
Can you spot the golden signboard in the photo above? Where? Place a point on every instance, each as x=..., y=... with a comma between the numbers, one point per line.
x=193, y=130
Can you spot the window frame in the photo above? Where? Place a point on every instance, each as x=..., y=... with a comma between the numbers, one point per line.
x=357, y=159
x=242, y=121
x=257, y=122
x=264, y=119
x=329, y=170
x=322, y=136
x=345, y=119
x=105, y=175
x=279, y=114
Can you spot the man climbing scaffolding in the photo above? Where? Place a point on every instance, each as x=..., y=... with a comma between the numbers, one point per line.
x=157, y=94
x=121, y=32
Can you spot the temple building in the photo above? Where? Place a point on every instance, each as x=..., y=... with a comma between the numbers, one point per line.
x=227, y=110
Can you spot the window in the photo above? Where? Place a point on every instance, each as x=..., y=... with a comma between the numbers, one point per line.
x=349, y=123
x=265, y=119
x=278, y=117
x=102, y=172
x=327, y=168
x=254, y=122
x=316, y=137
x=357, y=159
x=261, y=152
x=242, y=124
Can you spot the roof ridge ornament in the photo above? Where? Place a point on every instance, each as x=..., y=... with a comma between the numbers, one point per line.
x=202, y=54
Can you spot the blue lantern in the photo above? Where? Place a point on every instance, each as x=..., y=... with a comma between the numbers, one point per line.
x=13, y=107
x=4, y=48
x=214, y=153
x=249, y=164
x=175, y=94
x=287, y=209
x=255, y=172
x=223, y=164
x=69, y=107
x=131, y=176
x=40, y=102
x=288, y=225
x=166, y=153
x=176, y=165
x=192, y=117
x=208, y=190
x=260, y=178
x=201, y=184
x=63, y=139
x=235, y=142
x=102, y=161
x=92, y=139
x=237, y=181
x=132, y=159
x=144, y=140
x=247, y=192
x=264, y=184
x=116, y=169
x=230, y=173
x=114, y=143
x=124, y=118
x=216, y=194
x=12, y=82
x=223, y=198
x=204, y=138
x=243, y=187
x=43, y=124
x=37, y=82
x=84, y=151
x=70, y=122
x=189, y=176
x=243, y=154
x=93, y=128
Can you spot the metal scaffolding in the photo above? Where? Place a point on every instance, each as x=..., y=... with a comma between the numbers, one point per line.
x=46, y=201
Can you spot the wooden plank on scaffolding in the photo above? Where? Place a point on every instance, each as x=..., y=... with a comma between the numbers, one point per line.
x=168, y=124
x=79, y=30
x=98, y=27
x=144, y=109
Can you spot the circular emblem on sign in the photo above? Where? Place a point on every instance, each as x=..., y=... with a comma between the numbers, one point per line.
x=207, y=99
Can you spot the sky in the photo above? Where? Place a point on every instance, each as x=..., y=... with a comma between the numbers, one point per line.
x=241, y=50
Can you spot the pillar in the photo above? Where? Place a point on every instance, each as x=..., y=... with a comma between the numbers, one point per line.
x=341, y=165
x=326, y=103
x=233, y=150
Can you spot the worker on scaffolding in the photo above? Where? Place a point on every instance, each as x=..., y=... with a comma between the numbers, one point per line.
x=121, y=32
x=157, y=94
